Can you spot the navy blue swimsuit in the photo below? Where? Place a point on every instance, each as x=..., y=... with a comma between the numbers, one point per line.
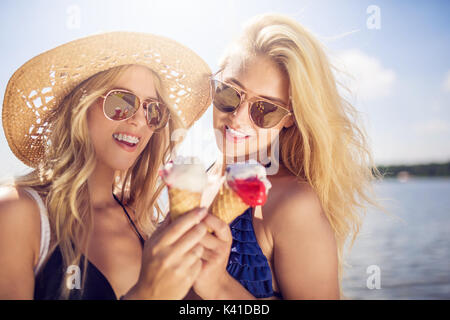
x=247, y=263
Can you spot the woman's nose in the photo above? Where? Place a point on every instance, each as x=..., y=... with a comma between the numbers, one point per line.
x=241, y=113
x=139, y=118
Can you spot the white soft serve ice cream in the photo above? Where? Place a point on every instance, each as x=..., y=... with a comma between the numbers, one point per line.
x=185, y=173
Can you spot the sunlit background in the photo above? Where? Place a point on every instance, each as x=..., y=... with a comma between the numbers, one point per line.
x=398, y=55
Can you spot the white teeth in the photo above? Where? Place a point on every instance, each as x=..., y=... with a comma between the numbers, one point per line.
x=236, y=133
x=124, y=137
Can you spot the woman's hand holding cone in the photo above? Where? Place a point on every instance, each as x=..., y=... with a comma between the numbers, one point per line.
x=171, y=258
x=217, y=246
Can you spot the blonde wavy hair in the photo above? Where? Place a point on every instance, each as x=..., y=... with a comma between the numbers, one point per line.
x=327, y=146
x=61, y=179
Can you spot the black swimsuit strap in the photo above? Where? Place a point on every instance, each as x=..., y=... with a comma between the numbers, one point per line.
x=141, y=239
x=211, y=166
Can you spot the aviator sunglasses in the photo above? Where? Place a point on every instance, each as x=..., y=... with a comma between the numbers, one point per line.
x=262, y=112
x=121, y=104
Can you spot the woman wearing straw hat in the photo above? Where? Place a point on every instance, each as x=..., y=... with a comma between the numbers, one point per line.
x=93, y=118
x=276, y=86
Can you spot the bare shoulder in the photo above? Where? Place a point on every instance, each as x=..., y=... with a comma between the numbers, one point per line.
x=16, y=200
x=19, y=217
x=304, y=245
x=19, y=243
x=295, y=204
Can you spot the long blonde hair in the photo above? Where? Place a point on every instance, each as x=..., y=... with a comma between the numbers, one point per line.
x=327, y=147
x=61, y=179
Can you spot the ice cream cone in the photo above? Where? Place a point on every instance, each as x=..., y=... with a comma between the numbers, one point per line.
x=182, y=201
x=185, y=179
x=228, y=205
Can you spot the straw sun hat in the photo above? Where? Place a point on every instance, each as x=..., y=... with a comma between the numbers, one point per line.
x=42, y=83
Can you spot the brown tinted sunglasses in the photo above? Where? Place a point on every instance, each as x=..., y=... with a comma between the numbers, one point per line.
x=121, y=104
x=262, y=112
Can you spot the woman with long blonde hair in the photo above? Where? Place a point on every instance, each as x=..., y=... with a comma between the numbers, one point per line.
x=276, y=94
x=94, y=119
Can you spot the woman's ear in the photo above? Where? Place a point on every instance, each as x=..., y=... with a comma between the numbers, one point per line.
x=289, y=122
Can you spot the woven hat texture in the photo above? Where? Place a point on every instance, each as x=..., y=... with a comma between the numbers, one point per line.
x=39, y=86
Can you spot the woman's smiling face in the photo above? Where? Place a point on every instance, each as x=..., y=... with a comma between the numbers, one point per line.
x=236, y=134
x=104, y=132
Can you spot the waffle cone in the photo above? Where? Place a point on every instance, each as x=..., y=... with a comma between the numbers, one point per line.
x=181, y=201
x=228, y=205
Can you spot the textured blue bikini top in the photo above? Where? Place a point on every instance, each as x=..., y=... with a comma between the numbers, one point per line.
x=247, y=263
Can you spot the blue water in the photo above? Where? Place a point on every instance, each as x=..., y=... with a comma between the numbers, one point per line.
x=411, y=246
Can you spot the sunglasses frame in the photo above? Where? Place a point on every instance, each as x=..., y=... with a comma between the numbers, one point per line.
x=141, y=103
x=250, y=101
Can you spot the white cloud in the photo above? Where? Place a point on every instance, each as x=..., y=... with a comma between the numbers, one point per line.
x=446, y=85
x=368, y=80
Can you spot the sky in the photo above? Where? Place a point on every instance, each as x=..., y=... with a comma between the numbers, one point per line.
x=396, y=55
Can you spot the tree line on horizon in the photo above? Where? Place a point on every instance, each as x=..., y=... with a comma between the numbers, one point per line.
x=419, y=170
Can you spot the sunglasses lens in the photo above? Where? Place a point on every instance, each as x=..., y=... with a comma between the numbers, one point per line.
x=226, y=99
x=120, y=105
x=265, y=114
x=157, y=115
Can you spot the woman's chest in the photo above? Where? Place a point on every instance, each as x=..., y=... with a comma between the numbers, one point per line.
x=116, y=252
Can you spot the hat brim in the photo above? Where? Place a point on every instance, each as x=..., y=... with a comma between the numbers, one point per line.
x=42, y=83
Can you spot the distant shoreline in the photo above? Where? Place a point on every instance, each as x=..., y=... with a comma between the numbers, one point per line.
x=418, y=170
